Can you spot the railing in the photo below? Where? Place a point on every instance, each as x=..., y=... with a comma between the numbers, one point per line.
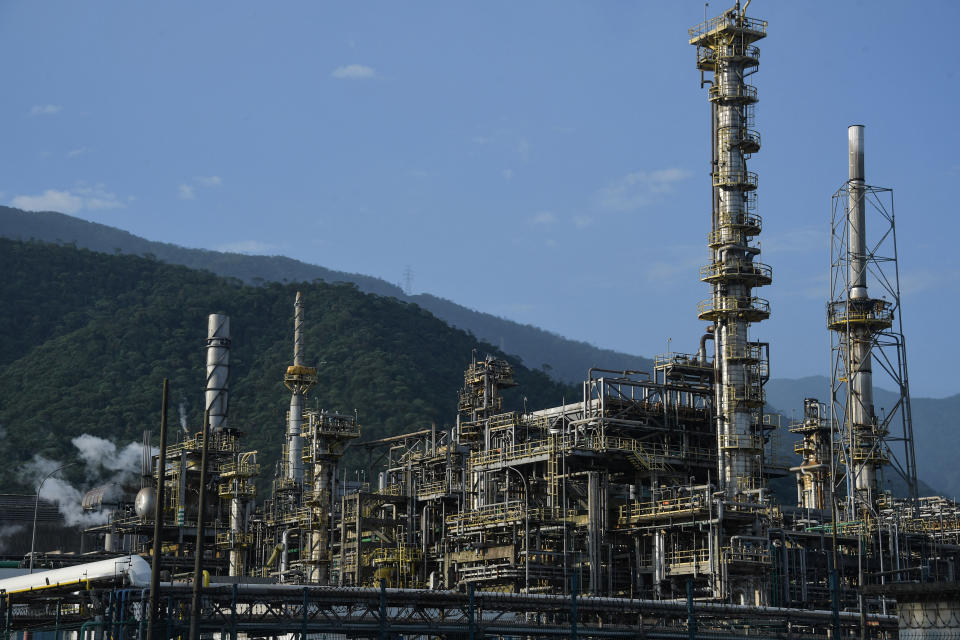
x=389, y=555
x=739, y=179
x=238, y=489
x=503, y=420
x=234, y=539
x=868, y=454
x=733, y=91
x=430, y=488
x=878, y=314
x=664, y=507
x=756, y=271
x=489, y=515
x=390, y=490
x=512, y=453
x=245, y=469
x=747, y=140
x=749, y=307
x=708, y=55
x=750, y=351
x=740, y=441
x=683, y=360
x=737, y=50
x=728, y=20
x=741, y=220
x=751, y=395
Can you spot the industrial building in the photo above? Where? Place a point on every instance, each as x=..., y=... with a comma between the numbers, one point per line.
x=640, y=508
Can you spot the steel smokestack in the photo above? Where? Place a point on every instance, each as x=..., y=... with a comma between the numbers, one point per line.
x=218, y=370
x=856, y=221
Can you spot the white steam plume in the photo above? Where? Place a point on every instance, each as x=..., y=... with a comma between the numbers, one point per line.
x=8, y=531
x=103, y=464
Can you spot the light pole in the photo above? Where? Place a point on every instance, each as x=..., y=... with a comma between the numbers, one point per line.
x=36, y=505
x=526, y=531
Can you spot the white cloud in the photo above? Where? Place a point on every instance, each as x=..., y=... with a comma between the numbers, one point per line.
x=800, y=240
x=682, y=266
x=70, y=200
x=45, y=109
x=49, y=200
x=208, y=181
x=640, y=188
x=248, y=246
x=97, y=197
x=73, y=153
x=523, y=148
x=354, y=71
x=188, y=190
x=582, y=221
x=544, y=217
x=507, y=174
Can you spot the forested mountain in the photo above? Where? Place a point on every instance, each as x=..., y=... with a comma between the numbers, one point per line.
x=86, y=339
x=566, y=360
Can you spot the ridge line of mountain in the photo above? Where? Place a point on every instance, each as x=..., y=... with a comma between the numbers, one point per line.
x=564, y=359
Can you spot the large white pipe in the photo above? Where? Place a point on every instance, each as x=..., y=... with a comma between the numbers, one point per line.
x=218, y=370
x=132, y=570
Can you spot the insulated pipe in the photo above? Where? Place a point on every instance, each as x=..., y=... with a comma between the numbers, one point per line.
x=284, y=554
x=702, y=353
x=218, y=370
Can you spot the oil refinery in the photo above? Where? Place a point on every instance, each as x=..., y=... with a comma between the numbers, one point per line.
x=640, y=508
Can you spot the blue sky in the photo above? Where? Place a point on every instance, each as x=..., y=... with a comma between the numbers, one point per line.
x=543, y=161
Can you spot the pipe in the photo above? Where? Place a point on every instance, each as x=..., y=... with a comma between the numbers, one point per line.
x=198, y=547
x=158, y=513
x=285, y=555
x=702, y=352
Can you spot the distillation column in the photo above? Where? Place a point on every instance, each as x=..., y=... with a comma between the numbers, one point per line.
x=724, y=47
x=814, y=474
x=299, y=378
x=218, y=370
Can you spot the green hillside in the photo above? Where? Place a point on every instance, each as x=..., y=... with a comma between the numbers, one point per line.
x=565, y=360
x=86, y=339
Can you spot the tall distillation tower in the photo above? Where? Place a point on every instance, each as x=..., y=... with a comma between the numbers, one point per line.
x=725, y=48
x=864, y=332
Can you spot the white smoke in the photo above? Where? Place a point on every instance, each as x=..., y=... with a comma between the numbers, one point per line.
x=103, y=465
x=99, y=454
x=8, y=531
x=182, y=409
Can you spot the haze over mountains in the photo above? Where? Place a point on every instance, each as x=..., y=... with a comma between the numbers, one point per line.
x=564, y=360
